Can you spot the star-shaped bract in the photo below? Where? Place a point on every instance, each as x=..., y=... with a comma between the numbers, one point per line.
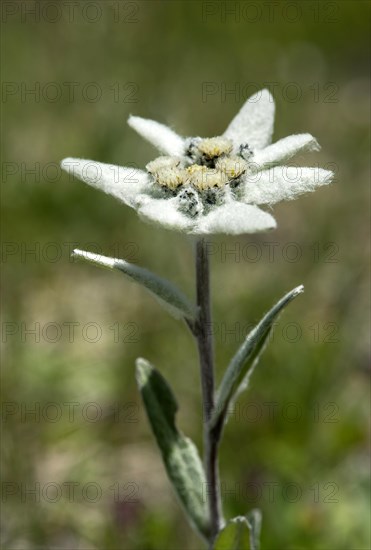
x=212, y=185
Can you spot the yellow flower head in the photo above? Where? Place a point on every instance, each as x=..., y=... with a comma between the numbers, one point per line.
x=215, y=147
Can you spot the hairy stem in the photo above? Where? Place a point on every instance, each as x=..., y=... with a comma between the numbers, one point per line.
x=203, y=333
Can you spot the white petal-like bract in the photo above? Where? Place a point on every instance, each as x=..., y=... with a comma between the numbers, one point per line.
x=283, y=183
x=123, y=183
x=284, y=149
x=165, y=212
x=211, y=185
x=253, y=124
x=234, y=218
x=161, y=136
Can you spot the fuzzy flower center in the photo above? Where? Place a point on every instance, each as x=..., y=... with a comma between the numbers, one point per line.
x=200, y=179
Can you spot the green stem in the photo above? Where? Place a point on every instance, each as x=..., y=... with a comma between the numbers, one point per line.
x=203, y=333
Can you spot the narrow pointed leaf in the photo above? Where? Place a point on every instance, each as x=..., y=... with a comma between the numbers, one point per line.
x=240, y=533
x=240, y=368
x=254, y=520
x=180, y=455
x=167, y=294
x=234, y=536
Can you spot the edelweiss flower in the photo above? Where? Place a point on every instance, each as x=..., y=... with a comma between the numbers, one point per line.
x=211, y=185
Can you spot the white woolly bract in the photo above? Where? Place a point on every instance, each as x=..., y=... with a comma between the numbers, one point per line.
x=253, y=124
x=283, y=183
x=285, y=148
x=211, y=185
x=162, y=137
x=123, y=183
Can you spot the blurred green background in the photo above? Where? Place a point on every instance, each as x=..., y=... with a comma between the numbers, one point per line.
x=80, y=466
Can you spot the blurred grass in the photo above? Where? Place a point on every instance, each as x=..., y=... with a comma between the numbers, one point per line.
x=167, y=55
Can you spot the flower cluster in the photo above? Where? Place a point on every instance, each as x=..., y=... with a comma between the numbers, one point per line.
x=203, y=178
x=211, y=185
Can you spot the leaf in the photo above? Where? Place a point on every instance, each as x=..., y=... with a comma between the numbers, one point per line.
x=234, y=536
x=172, y=299
x=180, y=455
x=240, y=533
x=243, y=363
x=254, y=520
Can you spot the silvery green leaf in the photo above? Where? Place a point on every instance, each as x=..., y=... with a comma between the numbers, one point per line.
x=254, y=520
x=234, y=536
x=180, y=455
x=242, y=365
x=167, y=294
x=240, y=533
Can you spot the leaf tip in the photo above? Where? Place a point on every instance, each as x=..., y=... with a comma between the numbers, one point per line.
x=143, y=370
x=97, y=259
x=298, y=290
x=76, y=252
